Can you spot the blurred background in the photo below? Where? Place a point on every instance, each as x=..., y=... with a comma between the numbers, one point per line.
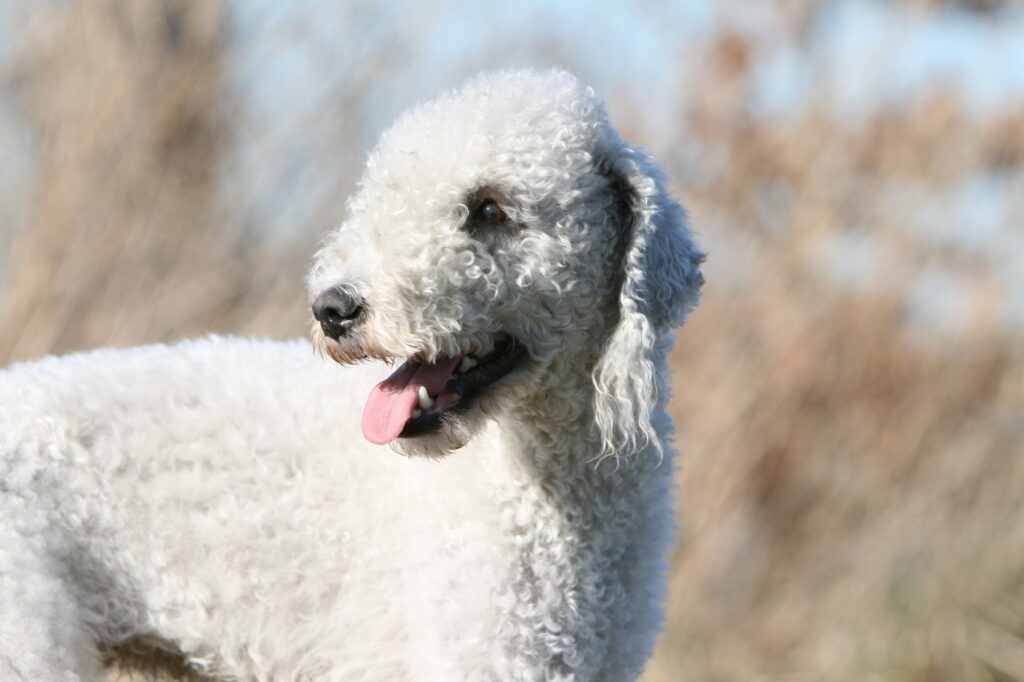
x=850, y=394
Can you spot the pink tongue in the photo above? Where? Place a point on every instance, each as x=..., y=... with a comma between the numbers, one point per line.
x=392, y=401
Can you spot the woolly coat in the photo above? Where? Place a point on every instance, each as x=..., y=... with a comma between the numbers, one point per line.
x=215, y=498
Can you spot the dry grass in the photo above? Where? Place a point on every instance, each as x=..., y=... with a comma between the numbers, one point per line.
x=851, y=498
x=126, y=102
x=852, y=484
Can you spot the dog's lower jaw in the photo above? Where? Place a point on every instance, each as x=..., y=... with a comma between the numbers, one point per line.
x=435, y=445
x=454, y=432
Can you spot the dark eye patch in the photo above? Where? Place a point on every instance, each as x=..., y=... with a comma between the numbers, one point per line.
x=487, y=215
x=490, y=213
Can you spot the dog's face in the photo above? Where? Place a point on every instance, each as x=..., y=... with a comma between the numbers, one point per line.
x=480, y=252
x=483, y=255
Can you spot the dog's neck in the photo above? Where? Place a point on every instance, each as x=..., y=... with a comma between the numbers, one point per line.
x=553, y=439
x=572, y=511
x=554, y=430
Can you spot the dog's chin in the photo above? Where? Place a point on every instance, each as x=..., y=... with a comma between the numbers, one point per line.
x=453, y=432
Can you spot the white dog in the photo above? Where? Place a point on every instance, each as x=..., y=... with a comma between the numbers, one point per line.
x=216, y=499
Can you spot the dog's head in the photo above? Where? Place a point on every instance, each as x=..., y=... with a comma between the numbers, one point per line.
x=506, y=247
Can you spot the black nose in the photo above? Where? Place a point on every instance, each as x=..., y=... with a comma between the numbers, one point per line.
x=337, y=312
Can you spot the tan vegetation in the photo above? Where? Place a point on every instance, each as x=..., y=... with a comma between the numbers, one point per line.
x=852, y=489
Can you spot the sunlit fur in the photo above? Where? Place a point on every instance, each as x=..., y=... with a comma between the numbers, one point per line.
x=216, y=499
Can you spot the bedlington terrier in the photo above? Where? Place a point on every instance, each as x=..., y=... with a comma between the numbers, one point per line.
x=228, y=501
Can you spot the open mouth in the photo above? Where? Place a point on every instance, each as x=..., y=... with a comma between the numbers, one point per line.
x=414, y=399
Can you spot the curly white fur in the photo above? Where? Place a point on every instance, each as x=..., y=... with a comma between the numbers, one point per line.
x=215, y=498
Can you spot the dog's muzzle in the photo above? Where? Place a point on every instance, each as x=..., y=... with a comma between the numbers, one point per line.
x=338, y=312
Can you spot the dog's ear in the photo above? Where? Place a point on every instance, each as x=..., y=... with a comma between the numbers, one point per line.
x=660, y=284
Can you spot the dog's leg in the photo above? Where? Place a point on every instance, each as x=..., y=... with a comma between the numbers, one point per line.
x=42, y=636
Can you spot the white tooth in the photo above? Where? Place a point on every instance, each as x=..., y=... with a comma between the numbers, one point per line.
x=425, y=402
x=417, y=413
x=467, y=364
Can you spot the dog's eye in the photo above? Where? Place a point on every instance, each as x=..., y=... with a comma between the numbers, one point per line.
x=490, y=212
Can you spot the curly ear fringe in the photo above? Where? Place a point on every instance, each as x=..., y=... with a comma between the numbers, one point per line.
x=661, y=283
